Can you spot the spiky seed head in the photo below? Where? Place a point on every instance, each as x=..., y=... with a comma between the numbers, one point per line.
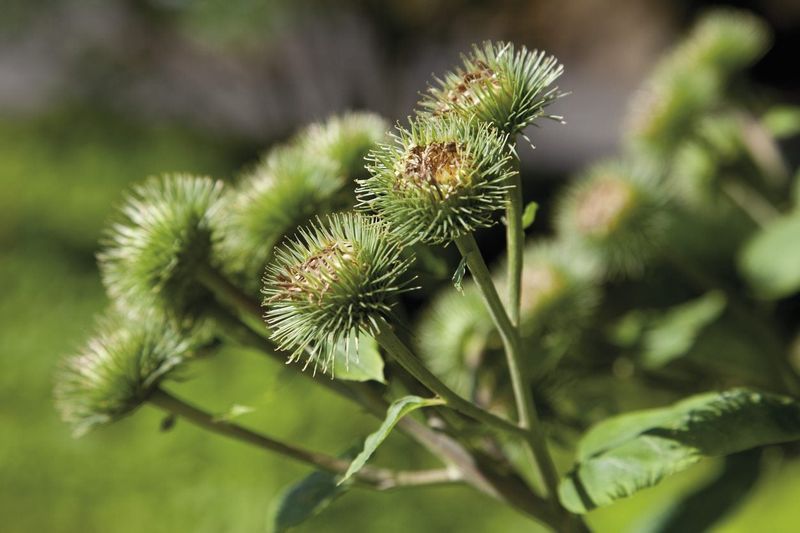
x=616, y=213
x=497, y=83
x=336, y=279
x=451, y=336
x=690, y=79
x=286, y=189
x=163, y=234
x=345, y=140
x=439, y=179
x=559, y=293
x=117, y=369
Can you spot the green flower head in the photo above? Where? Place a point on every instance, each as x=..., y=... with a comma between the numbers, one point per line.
x=335, y=280
x=691, y=79
x=116, y=370
x=286, y=189
x=452, y=334
x=344, y=140
x=441, y=178
x=616, y=213
x=497, y=83
x=559, y=295
x=163, y=234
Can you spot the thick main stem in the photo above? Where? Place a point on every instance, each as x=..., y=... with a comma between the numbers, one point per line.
x=526, y=409
x=377, y=478
x=515, y=241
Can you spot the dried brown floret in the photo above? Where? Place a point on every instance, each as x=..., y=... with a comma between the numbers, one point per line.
x=440, y=166
x=314, y=276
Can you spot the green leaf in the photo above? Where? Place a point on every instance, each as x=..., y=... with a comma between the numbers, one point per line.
x=396, y=411
x=782, y=121
x=630, y=452
x=734, y=348
x=529, y=215
x=305, y=499
x=770, y=261
x=364, y=364
x=709, y=504
x=673, y=334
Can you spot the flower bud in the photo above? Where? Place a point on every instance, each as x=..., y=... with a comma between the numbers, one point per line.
x=164, y=232
x=344, y=140
x=559, y=293
x=690, y=80
x=497, y=83
x=615, y=213
x=335, y=280
x=451, y=336
x=116, y=370
x=286, y=189
x=440, y=179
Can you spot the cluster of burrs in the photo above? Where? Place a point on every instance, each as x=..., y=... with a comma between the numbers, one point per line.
x=324, y=229
x=183, y=253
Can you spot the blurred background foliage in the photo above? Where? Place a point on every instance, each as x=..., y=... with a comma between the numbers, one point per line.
x=97, y=94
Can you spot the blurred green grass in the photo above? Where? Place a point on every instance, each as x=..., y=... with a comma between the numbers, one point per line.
x=59, y=179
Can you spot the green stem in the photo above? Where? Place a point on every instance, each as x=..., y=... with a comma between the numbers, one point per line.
x=548, y=512
x=241, y=318
x=397, y=349
x=526, y=409
x=764, y=151
x=247, y=309
x=376, y=478
x=515, y=241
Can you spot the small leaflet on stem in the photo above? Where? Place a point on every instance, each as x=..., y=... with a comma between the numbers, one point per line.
x=458, y=276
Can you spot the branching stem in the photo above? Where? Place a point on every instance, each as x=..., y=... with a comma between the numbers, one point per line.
x=228, y=294
x=372, y=477
x=398, y=350
x=547, y=512
x=241, y=316
x=526, y=409
x=750, y=202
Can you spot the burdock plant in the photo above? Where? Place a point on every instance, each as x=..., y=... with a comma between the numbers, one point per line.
x=439, y=179
x=616, y=214
x=308, y=257
x=162, y=236
x=338, y=280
